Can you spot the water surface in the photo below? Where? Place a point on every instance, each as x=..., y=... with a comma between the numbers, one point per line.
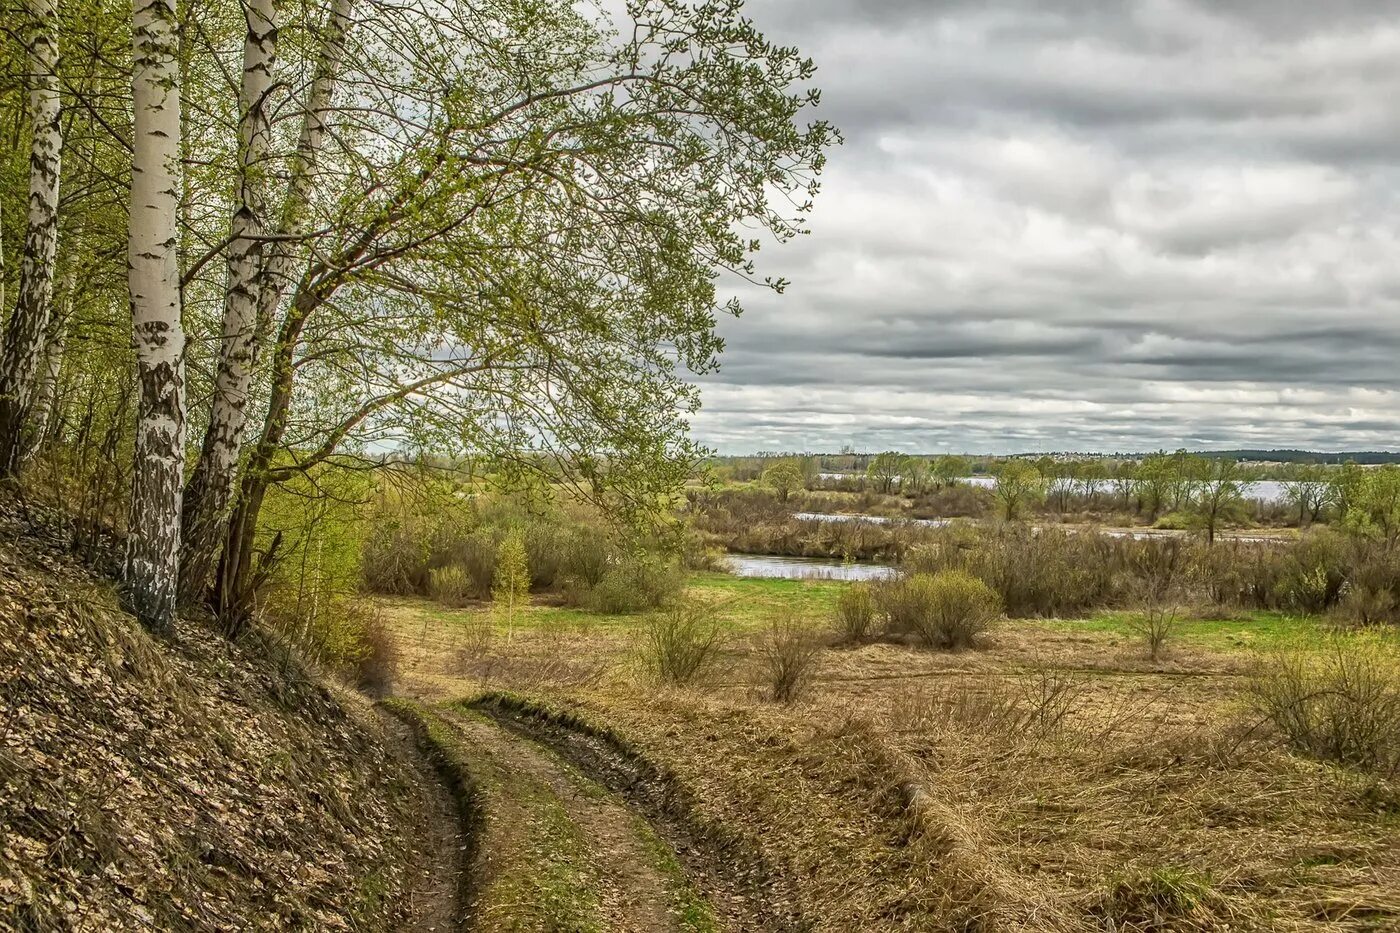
x=774, y=567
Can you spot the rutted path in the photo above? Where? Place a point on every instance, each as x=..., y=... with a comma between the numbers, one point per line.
x=555, y=851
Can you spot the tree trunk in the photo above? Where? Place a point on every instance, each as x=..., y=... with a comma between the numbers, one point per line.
x=45, y=407
x=211, y=484
x=153, y=278
x=216, y=474
x=24, y=338
x=277, y=271
x=236, y=582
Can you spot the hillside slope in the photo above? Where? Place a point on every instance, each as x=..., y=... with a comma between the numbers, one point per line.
x=188, y=784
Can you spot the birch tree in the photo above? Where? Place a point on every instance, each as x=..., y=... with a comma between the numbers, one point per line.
x=153, y=542
x=24, y=345
x=522, y=251
x=211, y=485
x=260, y=266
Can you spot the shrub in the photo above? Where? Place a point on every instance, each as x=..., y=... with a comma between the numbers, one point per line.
x=634, y=583
x=395, y=560
x=450, y=586
x=1371, y=593
x=1341, y=704
x=377, y=662
x=1312, y=572
x=681, y=645
x=1047, y=572
x=474, y=553
x=948, y=609
x=789, y=656
x=1175, y=521
x=855, y=612
x=587, y=554
x=1051, y=695
x=1155, y=625
x=546, y=549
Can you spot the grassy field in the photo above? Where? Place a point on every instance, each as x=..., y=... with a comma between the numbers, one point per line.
x=1054, y=778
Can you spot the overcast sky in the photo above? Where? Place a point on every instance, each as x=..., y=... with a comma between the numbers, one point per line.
x=1084, y=225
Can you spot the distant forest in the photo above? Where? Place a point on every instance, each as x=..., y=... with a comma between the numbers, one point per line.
x=1306, y=456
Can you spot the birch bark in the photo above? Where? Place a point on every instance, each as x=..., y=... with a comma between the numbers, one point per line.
x=211, y=483
x=23, y=352
x=153, y=279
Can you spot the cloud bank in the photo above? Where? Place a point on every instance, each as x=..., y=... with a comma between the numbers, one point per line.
x=1084, y=225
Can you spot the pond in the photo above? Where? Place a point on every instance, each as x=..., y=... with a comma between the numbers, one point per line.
x=773, y=567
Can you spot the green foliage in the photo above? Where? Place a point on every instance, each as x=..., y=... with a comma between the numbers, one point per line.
x=914, y=476
x=635, y=583
x=784, y=478
x=947, y=610
x=450, y=586
x=950, y=468
x=511, y=586
x=1162, y=899
x=885, y=469
x=1019, y=484
x=1218, y=491
x=1374, y=504
x=312, y=534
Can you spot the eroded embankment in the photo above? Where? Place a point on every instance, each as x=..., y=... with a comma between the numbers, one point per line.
x=182, y=783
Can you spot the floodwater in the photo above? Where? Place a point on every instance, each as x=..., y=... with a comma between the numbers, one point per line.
x=1265, y=490
x=1139, y=534
x=873, y=519
x=773, y=567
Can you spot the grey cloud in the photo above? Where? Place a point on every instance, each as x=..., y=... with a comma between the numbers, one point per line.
x=1084, y=223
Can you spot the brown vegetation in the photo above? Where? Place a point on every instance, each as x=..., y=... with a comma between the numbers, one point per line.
x=183, y=783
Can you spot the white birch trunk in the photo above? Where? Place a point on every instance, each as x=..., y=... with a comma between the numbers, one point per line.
x=153, y=278
x=211, y=485
x=24, y=338
x=215, y=476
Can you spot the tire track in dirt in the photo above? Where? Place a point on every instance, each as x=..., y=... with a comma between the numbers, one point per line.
x=436, y=889
x=617, y=860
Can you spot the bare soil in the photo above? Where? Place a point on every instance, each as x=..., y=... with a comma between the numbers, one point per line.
x=435, y=884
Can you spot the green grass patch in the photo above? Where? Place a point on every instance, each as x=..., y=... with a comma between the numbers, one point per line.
x=1260, y=629
x=742, y=602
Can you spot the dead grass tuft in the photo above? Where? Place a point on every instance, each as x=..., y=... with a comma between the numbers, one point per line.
x=788, y=653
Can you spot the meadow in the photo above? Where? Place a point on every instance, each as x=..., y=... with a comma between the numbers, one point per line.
x=1053, y=776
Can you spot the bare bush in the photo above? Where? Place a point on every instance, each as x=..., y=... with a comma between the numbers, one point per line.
x=1155, y=625
x=1050, y=696
x=1341, y=704
x=788, y=652
x=855, y=612
x=682, y=644
x=395, y=560
x=377, y=664
x=948, y=609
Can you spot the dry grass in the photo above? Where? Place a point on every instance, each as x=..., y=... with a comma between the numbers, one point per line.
x=1054, y=780
x=788, y=654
